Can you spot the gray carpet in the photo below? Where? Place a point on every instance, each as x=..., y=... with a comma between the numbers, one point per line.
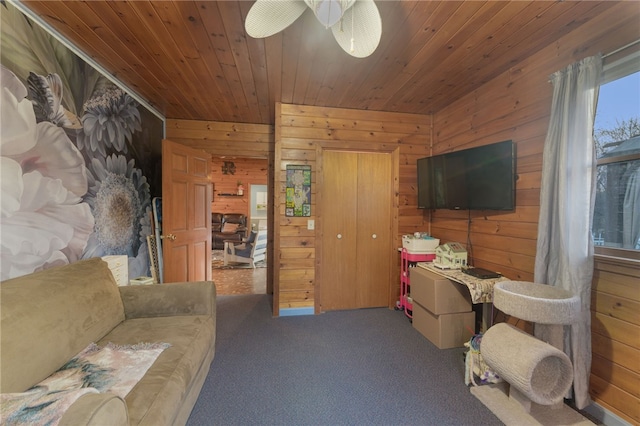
x=357, y=367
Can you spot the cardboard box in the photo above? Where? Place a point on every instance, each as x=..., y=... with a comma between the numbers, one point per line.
x=438, y=294
x=446, y=330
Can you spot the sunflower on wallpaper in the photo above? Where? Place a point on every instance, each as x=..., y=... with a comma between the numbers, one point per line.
x=72, y=186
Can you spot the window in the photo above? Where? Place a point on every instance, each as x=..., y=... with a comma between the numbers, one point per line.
x=616, y=219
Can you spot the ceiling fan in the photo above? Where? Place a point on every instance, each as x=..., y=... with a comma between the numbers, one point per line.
x=356, y=24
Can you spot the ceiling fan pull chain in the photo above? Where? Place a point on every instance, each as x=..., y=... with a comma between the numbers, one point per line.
x=353, y=48
x=342, y=19
x=326, y=25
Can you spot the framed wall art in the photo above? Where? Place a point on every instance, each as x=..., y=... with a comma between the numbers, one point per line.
x=298, y=191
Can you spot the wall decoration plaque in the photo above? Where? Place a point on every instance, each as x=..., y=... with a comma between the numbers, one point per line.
x=298, y=191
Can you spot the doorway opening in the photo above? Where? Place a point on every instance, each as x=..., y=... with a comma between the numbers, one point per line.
x=240, y=189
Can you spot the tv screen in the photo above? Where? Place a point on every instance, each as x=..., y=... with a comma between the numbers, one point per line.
x=481, y=178
x=431, y=183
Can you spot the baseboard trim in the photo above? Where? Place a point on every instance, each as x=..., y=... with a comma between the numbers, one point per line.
x=291, y=312
x=605, y=416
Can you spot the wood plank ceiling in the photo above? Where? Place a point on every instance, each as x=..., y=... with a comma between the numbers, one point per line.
x=193, y=59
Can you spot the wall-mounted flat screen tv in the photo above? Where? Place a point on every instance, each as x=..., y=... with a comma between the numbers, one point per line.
x=481, y=178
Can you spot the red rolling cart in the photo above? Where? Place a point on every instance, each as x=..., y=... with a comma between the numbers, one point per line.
x=408, y=261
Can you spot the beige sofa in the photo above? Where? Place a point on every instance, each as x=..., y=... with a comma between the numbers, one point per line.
x=48, y=317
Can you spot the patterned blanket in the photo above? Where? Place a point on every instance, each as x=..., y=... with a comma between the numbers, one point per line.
x=114, y=369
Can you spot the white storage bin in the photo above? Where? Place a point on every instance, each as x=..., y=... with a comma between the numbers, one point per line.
x=419, y=245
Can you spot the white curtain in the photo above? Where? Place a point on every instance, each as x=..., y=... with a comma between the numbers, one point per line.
x=564, y=256
x=631, y=211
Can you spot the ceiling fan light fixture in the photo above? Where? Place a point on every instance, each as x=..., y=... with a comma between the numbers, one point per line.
x=329, y=12
x=267, y=17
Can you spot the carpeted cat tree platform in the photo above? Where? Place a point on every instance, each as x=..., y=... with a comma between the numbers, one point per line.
x=537, y=374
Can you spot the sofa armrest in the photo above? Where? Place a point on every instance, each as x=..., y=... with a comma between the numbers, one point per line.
x=96, y=409
x=163, y=300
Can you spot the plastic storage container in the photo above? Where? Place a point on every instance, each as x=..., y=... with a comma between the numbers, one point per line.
x=422, y=245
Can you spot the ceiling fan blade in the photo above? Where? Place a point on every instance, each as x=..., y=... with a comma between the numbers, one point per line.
x=362, y=23
x=267, y=17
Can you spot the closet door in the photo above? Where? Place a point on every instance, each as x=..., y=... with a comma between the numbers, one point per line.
x=374, y=229
x=339, y=221
x=356, y=230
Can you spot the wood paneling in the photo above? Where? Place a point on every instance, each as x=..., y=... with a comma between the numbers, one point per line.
x=615, y=330
x=223, y=139
x=302, y=132
x=249, y=171
x=515, y=105
x=193, y=60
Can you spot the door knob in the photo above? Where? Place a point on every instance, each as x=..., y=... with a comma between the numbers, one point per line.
x=374, y=236
x=339, y=236
x=168, y=237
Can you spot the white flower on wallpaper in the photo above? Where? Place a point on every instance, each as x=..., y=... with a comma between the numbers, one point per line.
x=120, y=201
x=44, y=221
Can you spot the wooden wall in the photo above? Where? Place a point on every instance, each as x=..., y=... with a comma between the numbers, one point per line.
x=615, y=338
x=249, y=171
x=223, y=139
x=301, y=134
x=516, y=105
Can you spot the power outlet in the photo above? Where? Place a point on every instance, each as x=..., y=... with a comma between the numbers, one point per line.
x=311, y=224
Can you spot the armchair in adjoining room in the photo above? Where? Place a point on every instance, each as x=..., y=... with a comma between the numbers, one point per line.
x=227, y=226
x=216, y=222
x=252, y=250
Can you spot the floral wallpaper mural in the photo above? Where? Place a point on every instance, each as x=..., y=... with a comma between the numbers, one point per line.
x=79, y=158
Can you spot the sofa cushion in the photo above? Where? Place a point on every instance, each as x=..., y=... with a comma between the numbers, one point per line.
x=169, y=299
x=97, y=409
x=158, y=396
x=230, y=227
x=238, y=218
x=49, y=316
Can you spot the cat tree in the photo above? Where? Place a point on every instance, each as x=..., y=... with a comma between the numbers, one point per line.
x=538, y=374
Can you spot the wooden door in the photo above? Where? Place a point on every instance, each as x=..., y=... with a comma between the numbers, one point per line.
x=356, y=225
x=374, y=229
x=339, y=221
x=186, y=213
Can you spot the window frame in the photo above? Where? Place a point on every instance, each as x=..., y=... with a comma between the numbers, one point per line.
x=617, y=65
